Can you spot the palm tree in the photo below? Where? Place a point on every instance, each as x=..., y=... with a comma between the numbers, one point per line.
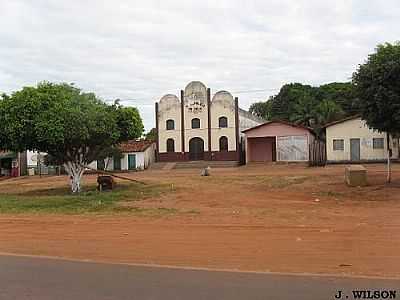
x=327, y=111
x=304, y=111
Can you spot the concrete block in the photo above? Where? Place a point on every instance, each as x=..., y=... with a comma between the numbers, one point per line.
x=205, y=171
x=356, y=175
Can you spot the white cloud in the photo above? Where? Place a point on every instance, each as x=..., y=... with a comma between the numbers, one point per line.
x=140, y=50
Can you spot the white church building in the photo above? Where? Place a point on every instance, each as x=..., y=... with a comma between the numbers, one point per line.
x=197, y=126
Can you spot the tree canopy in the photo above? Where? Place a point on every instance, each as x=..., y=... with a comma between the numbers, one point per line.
x=377, y=83
x=73, y=127
x=308, y=105
x=152, y=134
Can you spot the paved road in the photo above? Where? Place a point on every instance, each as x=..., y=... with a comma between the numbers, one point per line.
x=39, y=278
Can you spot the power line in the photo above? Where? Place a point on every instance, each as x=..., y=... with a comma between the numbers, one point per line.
x=253, y=91
x=236, y=92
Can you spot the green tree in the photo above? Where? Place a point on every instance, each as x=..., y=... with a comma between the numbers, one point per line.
x=377, y=86
x=73, y=127
x=327, y=111
x=151, y=135
x=284, y=106
x=261, y=109
x=341, y=93
x=304, y=111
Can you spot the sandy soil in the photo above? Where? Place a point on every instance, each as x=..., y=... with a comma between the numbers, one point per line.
x=283, y=218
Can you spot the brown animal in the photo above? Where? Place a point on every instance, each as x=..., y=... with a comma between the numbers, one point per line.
x=105, y=182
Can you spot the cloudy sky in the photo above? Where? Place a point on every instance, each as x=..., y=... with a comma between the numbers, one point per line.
x=138, y=51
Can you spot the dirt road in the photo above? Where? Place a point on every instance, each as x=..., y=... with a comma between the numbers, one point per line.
x=275, y=218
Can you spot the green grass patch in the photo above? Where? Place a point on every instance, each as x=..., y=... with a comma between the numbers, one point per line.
x=192, y=212
x=330, y=194
x=153, y=212
x=60, y=200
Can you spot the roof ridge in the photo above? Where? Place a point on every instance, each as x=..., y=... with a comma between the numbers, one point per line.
x=342, y=120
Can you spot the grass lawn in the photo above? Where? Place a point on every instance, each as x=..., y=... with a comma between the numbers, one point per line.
x=60, y=200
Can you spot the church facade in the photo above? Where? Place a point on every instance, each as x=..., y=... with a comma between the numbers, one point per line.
x=198, y=126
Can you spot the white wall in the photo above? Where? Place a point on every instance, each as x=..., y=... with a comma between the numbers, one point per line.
x=223, y=105
x=149, y=156
x=195, y=106
x=247, y=120
x=143, y=160
x=93, y=165
x=292, y=148
x=169, y=108
x=139, y=160
x=356, y=128
x=32, y=158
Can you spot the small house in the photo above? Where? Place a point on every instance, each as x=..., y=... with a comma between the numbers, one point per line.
x=351, y=140
x=278, y=141
x=136, y=155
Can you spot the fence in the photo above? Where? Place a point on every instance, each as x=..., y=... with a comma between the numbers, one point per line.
x=317, y=154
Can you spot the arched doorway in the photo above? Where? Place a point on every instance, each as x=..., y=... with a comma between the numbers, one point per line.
x=196, y=149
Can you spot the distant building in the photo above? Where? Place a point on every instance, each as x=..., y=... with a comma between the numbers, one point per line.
x=200, y=126
x=351, y=140
x=12, y=163
x=25, y=163
x=278, y=141
x=136, y=155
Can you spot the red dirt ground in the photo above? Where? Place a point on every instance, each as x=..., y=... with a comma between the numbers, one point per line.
x=280, y=218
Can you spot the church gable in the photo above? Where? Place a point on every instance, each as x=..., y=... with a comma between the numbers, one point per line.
x=195, y=97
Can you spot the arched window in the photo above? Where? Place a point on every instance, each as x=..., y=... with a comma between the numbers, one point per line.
x=223, y=143
x=195, y=123
x=170, y=125
x=170, y=145
x=223, y=122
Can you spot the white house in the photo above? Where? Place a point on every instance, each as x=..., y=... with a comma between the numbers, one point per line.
x=351, y=140
x=136, y=155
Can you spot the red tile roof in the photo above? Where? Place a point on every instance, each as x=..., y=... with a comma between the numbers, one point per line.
x=135, y=146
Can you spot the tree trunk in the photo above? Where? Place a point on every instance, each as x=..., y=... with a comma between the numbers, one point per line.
x=398, y=147
x=389, y=170
x=389, y=154
x=75, y=172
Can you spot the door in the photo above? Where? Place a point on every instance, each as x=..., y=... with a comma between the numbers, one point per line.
x=273, y=140
x=292, y=148
x=355, y=149
x=261, y=149
x=131, y=161
x=117, y=164
x=101, y=164
x=196, y=149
